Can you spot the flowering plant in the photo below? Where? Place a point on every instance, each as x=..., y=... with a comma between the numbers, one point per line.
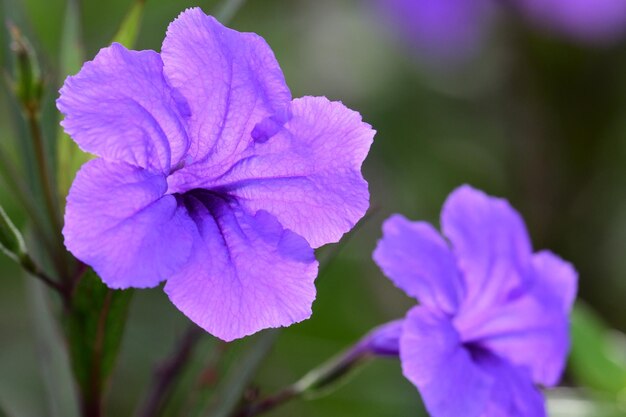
x=181, y=195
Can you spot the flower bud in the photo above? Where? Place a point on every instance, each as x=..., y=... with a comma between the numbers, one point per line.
x=384, y=340
x=27, y=78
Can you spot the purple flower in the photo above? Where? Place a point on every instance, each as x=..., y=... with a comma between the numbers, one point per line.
x=210, y=176
x=492, y=323
x=592, y=21
x=440, y=29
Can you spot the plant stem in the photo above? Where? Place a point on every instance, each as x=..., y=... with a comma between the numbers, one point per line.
x=31, y=267
x=315, y=381
x=168, y=372
x=234, y=384
x=45, y=178
x=91, y=401
x=32, y=117
x=19, y=189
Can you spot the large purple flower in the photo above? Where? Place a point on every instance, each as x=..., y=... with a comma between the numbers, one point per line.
x=492, y=323
x=210, y=176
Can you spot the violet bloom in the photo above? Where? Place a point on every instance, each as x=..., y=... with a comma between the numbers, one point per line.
x=210, y=176
x=445, y=30
x=591, y=21
x=492, y=323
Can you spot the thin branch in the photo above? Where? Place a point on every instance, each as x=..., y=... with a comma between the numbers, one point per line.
x=29, y=266
x=32, y=117
x=315, y=381
x=168, y=372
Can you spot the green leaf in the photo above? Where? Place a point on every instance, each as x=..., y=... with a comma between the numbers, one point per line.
x=11, y=240
x=53, y=363
x=129, y=29
x=594, y=360
x=70, y=158
x=94, y=327
x=231, y=388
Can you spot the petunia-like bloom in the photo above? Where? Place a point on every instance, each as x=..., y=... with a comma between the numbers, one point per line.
x=492, y=323
x=588, y=21
x=440, y=30
x=210, y=176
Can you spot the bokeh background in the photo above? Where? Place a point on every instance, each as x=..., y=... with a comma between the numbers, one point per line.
x=531, y=116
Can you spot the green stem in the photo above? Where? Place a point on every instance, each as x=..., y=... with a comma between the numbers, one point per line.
x=91, y=398
x=31, y=267
x=32, y=117
x=167, y=374
x=17, y=186
x=315, y=381
x=45, y=178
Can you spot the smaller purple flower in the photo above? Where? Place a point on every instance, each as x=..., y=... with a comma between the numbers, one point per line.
x=210, y=176
x=492, y=323
x=440, y=30
x=589, y=21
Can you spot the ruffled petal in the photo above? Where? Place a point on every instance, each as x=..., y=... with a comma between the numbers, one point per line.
x=246, y=273
x=491, y=245
x=417, y=259
x=308, y=174
x=436, y=362
x=231, y=81
x=119, y=222
x=513, y=393
x=120, y=107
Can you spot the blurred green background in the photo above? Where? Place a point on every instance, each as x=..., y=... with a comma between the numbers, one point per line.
x=533, y=119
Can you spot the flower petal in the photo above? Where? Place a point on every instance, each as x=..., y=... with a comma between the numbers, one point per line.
x=557, y=277
x=513, y=393
x=436, y=362
x=491, y=245
x=118, y=221
x=532, y=330
x=120, y=107
x=246, y=273
x=384, y=340
x=417, y=259
x=231, y=81
x=308, y=175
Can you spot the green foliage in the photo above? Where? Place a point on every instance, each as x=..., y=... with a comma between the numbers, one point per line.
x=594, y=361
x=27, y=80
x=69, y=156
x=11, y=240
x=129, y=29
x=94, y=328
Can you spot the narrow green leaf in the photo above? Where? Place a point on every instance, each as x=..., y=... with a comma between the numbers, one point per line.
x=11, y=240
x=231, y=389
x=594, y=360
x=54, y=366
x=129, y=29
x=70, y=157
x=94, y=328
